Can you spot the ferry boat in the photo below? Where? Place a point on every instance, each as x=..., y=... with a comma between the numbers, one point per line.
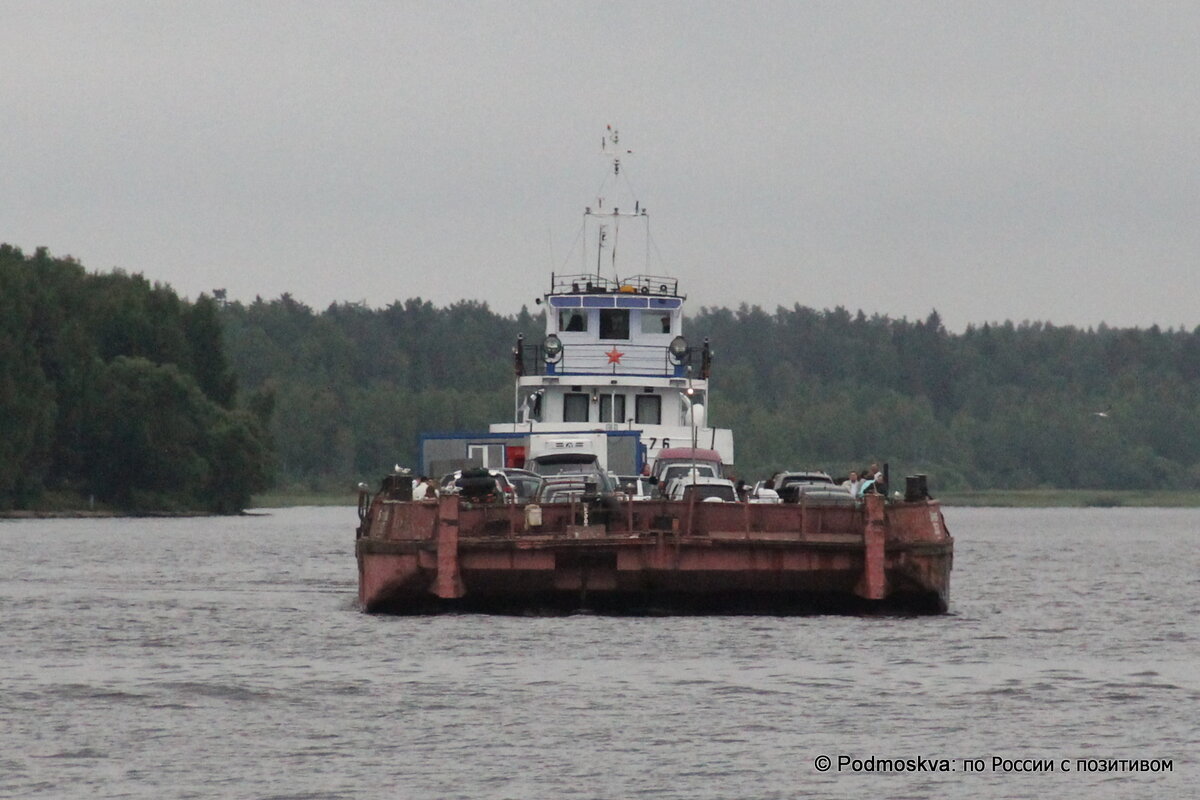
x=613, y=380
x=614, y=373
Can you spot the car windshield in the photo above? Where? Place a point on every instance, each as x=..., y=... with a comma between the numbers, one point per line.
x=569, y=469
x=680, y=470
x=567, y=464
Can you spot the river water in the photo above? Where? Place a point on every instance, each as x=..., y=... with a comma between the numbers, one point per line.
x=226, y=658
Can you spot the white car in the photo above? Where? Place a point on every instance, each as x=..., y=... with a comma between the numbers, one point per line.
x=679, y=473
x=636, y=487
x=761, y=494
x=705, y=488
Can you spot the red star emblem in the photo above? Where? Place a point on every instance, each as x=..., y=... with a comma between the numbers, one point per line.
x=614, y=356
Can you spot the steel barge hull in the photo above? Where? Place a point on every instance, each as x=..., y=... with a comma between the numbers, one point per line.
x=653, y=557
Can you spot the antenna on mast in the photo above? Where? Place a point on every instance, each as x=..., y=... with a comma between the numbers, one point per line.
x=610, y=144
x=603, y=235
x=610, y=147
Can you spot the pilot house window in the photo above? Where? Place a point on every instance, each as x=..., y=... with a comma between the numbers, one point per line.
x=607, y=402
x=648, y=408
x=656, y=322
x=575, y=407
x=572, y=320
x=614, y=323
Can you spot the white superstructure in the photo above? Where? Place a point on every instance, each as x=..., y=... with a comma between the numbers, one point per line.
x=614, y=358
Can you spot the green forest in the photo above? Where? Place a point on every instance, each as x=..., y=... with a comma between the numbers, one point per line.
x=999, y=406
x=115, y=388
x=116, y=392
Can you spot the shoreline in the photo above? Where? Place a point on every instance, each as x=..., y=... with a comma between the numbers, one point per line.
x=991, y=498
x=1070, y=498
x=83, y=513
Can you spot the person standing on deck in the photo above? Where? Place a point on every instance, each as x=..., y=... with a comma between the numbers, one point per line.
x=420, y=488
x=878, y=484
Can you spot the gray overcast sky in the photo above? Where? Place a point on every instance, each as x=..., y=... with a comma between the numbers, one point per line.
x=1005, y=160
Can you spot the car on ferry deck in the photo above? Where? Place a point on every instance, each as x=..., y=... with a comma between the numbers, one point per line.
x=637, y=487
x=565, y=488
x=525, y=483
x=705, y=489
x=762, y=494
x=504, y=492
x=677, y=473
x=685, y=457
x=809, y=487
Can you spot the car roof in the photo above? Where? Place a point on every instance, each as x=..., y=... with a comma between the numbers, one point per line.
x=520, y=472
x=810, y=475
x=494, y=473
x=706, y=480
x=565, y=458
x=686, y=452
x=569, y=479
x=700, y=467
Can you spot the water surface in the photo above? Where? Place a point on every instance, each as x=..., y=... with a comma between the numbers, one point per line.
x=226, y=658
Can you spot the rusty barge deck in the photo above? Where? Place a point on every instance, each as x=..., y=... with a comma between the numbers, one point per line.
x=652, y=557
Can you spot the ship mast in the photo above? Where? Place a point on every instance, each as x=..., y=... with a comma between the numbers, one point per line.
x=610, y=147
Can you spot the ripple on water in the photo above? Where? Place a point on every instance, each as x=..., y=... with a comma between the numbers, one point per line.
x=226, y=658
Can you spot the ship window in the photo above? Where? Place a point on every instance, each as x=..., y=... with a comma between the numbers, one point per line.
x=648, y=409
x=531, y=407
x=486, y=455
x=607, y=404
x=575, y=407
x=614, y=323
x=572, y=319
x=656, y=322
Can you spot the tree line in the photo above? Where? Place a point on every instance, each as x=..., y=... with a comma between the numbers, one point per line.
x=998, y=406
x=115, y=391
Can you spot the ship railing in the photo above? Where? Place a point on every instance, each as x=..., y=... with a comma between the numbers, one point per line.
x=419, y=520
x=676, y=519
x=593, y=359
x=595, y=284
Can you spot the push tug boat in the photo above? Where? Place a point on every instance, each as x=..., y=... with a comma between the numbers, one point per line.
x=615, y=382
